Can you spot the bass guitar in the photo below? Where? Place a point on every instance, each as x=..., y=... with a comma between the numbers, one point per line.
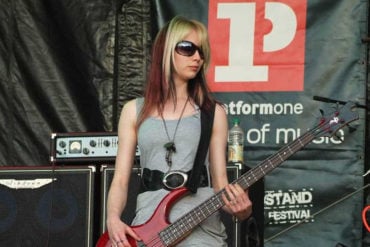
x=159, y=232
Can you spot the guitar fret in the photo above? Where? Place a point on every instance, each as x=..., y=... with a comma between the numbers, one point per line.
x=243, y=182
x=281, y=158
x=302, y=144
x=263, y=171
x=255, y=178
x=272, y=165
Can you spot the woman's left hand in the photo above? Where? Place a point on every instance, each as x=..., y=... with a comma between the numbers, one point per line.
x=237, y=201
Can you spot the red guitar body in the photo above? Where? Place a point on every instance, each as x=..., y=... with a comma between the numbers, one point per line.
x=149, y=231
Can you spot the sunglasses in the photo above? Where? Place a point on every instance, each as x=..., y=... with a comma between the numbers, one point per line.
x=187, y=48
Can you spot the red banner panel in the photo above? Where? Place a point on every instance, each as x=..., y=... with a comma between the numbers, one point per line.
x=257, y=45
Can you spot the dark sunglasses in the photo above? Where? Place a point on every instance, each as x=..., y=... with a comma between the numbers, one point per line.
x=187, y=48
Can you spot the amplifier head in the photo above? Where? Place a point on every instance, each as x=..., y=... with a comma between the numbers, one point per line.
x=92, y=147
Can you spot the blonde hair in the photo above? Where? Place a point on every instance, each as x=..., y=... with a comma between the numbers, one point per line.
x=160, y=86
x=178, y=28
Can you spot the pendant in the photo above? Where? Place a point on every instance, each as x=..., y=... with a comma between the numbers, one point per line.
x=171, y=148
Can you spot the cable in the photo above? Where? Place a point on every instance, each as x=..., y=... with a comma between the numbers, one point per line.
x=364, y=220
x=318, y=212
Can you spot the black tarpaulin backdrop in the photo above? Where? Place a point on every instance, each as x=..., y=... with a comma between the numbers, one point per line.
x=59, y=73
x=69, y=66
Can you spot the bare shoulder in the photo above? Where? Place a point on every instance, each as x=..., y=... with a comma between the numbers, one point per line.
x=220, y=119
x=129, y=108
x=128, y=113
x=130, y=105
x=220, y=111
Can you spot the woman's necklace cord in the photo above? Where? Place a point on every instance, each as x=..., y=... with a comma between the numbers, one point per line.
x=170, y=145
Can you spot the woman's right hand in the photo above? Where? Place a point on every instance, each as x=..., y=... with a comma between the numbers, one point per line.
x=119, y=232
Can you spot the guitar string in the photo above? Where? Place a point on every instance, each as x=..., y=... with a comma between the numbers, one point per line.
x=296, y=145
x=216, y=206
x=308, y=136
x=154, y=242
x=317, y=213
x=218, y=201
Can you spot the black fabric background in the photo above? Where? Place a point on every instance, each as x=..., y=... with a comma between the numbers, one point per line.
x=66, y=66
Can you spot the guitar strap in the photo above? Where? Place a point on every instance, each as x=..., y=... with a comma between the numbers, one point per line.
x=206, y=121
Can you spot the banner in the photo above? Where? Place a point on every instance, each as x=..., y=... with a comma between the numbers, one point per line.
x=269, y=61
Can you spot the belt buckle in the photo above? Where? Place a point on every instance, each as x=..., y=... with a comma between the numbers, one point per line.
x=174, y=179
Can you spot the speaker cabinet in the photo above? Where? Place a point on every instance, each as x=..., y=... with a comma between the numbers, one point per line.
x=46, y=206
x=235, y=230
x=107, y=172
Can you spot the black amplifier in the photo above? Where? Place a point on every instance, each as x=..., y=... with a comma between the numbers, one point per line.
x=95, y=147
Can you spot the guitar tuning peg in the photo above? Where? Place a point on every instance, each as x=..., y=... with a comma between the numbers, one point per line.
x=335, y=106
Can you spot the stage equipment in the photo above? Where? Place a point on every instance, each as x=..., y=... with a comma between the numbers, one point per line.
x=365, y=217
x=78, y=147
x=46, y=206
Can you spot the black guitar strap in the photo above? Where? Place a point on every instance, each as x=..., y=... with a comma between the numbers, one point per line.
x=206, y=120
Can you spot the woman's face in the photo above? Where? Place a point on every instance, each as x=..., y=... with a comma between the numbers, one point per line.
x=187, y=66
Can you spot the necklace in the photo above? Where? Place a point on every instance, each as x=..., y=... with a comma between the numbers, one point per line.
x=170, y=145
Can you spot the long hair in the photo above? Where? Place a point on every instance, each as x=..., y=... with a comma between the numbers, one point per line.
x=160, y=86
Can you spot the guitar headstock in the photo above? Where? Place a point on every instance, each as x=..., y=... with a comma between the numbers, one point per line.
x=342, y=116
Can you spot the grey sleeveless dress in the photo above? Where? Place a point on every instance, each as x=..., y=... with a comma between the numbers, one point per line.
x=151, y=138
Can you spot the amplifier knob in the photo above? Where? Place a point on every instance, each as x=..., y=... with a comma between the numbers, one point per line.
x=106, y=143
x=86, y=151
x=62, y=144
x=93, y=143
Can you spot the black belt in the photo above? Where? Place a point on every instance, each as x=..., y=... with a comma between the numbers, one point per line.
x=154, y=179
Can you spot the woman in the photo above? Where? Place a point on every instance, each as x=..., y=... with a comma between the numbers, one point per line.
x=165, y=124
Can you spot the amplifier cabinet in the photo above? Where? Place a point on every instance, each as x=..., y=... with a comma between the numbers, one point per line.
x=46, y=206
x=107, y=172
x=233, y=227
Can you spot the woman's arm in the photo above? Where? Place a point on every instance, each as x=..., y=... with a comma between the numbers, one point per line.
x=117, y=196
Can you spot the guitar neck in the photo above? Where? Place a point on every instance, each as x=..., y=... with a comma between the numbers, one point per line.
x=269, y=164
x=183, y=226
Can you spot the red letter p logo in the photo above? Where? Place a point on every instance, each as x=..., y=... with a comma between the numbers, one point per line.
x=257, y=45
